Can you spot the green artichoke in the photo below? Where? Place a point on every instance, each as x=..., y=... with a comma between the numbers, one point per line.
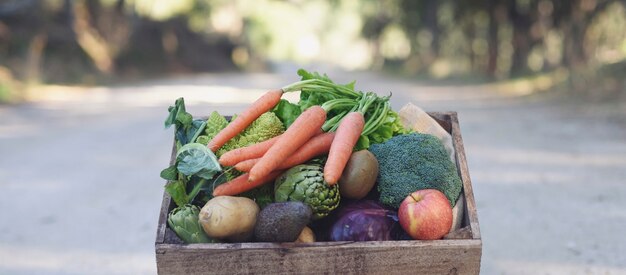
x=306, y=183
x=185, y=222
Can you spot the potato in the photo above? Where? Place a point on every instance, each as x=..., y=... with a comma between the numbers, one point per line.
x=229, y=218
x=306, y=236
x=359, y=176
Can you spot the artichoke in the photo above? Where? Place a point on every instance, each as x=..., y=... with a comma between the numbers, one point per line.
x=306, y=183
x=184, y=220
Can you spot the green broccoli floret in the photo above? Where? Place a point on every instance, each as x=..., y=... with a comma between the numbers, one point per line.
x=412, y=162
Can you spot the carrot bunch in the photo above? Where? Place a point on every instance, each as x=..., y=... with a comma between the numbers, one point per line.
x=309, y=136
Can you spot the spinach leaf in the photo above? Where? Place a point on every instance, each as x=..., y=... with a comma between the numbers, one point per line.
x=287, y=112
x=196, y=159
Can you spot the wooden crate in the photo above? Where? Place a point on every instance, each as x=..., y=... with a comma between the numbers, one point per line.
x=447, y=256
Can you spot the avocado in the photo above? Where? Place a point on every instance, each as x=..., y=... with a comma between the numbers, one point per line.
x=282, y=221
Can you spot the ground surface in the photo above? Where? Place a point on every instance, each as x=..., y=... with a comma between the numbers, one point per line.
x=80, y=187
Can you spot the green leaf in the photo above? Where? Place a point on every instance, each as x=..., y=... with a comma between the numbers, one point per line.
x=312, y=75
x=311, y=98
x=287, y=112
x=170, y=173
x=196, y=188
x=198, y=126
x=196, y=159
x=362, y=143
x=206, y=189
x=177, y=113
x=176, y=189
x=187, y=129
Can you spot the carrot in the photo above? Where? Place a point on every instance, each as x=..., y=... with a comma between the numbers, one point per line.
x=256, y=150
x=317, y=145
x=241, y=184
x=348, y=133
x=253, y=151
x=300, y=131
x=256, y=109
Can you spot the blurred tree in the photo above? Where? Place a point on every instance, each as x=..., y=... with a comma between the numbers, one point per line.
x=74, y=40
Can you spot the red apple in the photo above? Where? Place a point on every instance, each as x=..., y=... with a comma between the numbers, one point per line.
x=426, y=214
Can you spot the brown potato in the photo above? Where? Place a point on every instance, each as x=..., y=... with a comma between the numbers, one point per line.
x=229, y=218
x=359, y=176
x=306, y=236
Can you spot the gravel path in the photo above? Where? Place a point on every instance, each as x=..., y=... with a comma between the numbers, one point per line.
x=80, y=186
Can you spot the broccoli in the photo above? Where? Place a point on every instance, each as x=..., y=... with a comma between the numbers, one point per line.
x=412, y=162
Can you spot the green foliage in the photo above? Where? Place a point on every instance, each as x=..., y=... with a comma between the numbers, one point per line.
x=196, y=159
x=287, y=112
x=170, y=173
x=411, y=162
x=187, y=129
x=195, y=163
x=381, y=123
x=176, y=190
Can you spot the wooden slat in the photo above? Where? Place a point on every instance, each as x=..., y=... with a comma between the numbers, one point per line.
x=461, y=162
x=392, y=257
x=165, y=205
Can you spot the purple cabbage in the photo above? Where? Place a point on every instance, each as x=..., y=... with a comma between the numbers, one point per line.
x=365, y=221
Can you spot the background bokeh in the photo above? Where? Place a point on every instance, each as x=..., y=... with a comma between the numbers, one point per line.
x=581, y=42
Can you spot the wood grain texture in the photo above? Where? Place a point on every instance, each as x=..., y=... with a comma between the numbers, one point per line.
x=461, y=163
x=391, y=257
x=165, y=205
x=450, y=256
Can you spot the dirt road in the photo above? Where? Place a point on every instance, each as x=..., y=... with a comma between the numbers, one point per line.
x=80, y=187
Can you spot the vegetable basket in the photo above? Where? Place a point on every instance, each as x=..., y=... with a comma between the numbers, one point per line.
x=458, y=255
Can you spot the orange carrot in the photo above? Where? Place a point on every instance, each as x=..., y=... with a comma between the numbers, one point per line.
x=256, y=109
x=256, y=150
x=241, y=184
x=300, y=131
x=348, y=133
x=317, y=145
x=253, y=151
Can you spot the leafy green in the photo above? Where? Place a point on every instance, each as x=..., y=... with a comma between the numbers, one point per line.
x=206, y=188
x=187, y=129
x=381, y=123
x=287, y=112
x=196, y=159
x=170, y=173
x=177, y=191
x=177, y=114
x=195, y=164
